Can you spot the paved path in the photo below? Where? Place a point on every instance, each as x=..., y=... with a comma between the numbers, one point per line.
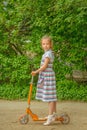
x=10, y=112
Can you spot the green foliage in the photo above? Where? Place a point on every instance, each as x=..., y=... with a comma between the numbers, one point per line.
x=22, y=24
x=68, y=90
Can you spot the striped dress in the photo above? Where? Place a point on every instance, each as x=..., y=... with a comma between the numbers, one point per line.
x=46, y=86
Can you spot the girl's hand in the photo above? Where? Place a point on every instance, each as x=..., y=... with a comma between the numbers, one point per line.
x=33, y=73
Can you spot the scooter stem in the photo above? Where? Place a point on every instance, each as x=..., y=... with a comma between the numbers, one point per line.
x=30, y=90
x=32, y=79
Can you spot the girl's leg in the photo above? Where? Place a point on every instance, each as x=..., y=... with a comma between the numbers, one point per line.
x=52, y=107
x=51, y=116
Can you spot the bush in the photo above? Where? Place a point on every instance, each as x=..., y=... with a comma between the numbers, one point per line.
x=23, y=23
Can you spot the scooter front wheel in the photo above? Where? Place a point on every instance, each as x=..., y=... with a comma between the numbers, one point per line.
x=65, y=118
x=24, y=119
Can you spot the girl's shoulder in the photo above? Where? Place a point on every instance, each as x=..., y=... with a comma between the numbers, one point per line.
x=49, y=54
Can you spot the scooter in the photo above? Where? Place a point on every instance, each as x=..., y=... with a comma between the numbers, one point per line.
x=63, y=118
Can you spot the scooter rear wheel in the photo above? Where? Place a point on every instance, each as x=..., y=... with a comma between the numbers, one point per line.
x=65, y=118
x=24, y=119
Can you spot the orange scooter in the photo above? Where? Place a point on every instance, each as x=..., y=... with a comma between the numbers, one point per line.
x=63, y=118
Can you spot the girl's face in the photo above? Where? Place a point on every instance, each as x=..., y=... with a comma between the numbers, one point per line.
x=46, y=44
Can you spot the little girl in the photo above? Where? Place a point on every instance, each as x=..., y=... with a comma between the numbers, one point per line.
x=46, y=86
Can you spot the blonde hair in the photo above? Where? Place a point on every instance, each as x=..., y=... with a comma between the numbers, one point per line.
x=49, y=39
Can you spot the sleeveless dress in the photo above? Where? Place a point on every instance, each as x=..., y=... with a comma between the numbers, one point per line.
x=46, y=85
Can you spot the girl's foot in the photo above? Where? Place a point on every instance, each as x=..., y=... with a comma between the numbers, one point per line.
x=50, y=119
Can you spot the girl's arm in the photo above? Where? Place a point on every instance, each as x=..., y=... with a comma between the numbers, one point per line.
x=43, y=67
